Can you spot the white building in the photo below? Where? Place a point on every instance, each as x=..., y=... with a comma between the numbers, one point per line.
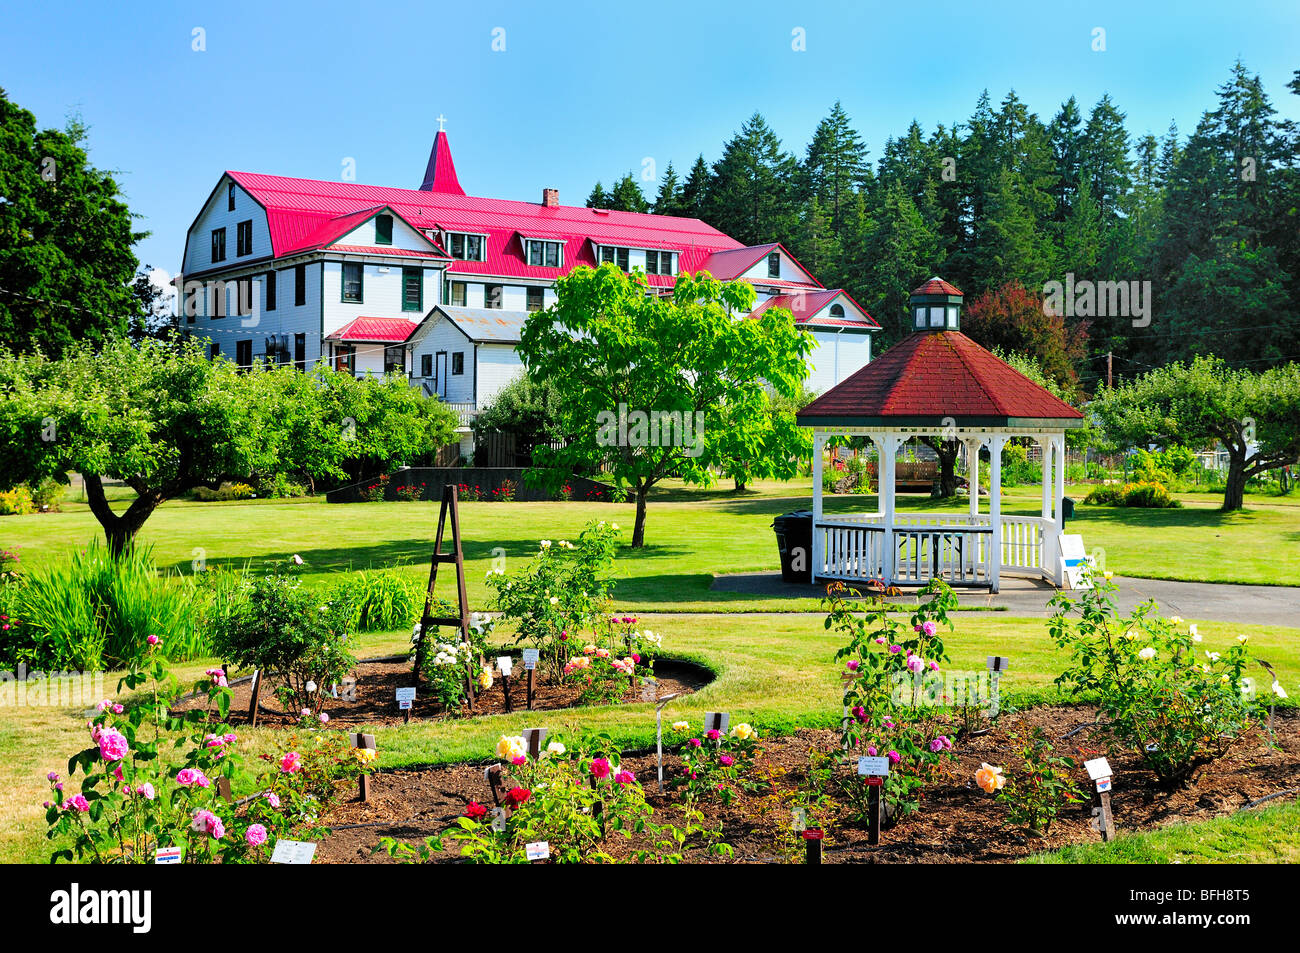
x=435, y=284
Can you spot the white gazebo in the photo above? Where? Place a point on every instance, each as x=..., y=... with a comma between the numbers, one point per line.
x=938, y=382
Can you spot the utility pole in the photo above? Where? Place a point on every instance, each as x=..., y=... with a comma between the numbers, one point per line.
x=1110, y=378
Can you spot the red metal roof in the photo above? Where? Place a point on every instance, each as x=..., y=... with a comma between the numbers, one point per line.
x=440, y=173
x=301, y=214
x=937, y=286
x=387, y=330
x=734, y=262
x=804, y=306
x=929, y=376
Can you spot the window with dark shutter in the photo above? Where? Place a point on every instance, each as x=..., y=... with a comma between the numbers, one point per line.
x=300, y=351
x=412, y=289
x=218, y=244
x=230, y=197
x=774, y=265
x=244, y=354
x=352, y=282
x=426, y=365
x=299, y=285
x=244, y=238
x=270, y=291
x=383, y=229
x=458, y=362
x=214, y=350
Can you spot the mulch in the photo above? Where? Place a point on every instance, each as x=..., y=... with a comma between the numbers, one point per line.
x=376, y=696
x=957, y=823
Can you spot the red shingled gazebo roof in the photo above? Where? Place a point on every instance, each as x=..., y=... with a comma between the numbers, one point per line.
x=929, y=376
x=937, y=286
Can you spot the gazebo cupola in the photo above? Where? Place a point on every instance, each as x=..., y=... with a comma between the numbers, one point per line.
x=936, y=306
x=938, y=383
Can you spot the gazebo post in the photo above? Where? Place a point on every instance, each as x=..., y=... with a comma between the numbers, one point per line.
x=973, y=475
x=888, y=447
x=1059, y=502
x=1047, y=445
x=996, y=442
x=819, y=443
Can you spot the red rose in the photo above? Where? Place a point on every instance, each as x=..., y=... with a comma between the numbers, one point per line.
x=517, y=796
x=474, y=810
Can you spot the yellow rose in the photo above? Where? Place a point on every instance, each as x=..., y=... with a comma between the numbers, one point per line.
x=681, y=726
x=485, y=679
x=510, y=747
x=743, y=731
x=989, y=778
x=365, y=755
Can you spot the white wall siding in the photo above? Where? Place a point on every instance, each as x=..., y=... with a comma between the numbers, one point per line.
x=287, y=318
x=444, y=336
x=198, y=253
x=404, y=236
x=498, y=365
x=836, y=356
x=381, y=294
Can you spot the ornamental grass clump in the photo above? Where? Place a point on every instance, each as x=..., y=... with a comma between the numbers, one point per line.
x=894, y=691
x=1161, y=692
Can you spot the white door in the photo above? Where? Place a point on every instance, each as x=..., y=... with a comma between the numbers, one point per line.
x=440, y=373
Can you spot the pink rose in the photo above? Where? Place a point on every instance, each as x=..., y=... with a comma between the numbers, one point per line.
x=146, y=790
x=192, y=776
x=600, y=768
x=727, y=760
x=153, y=640
x=291, y=763
x=112, y=745
x=272, y=799
x=625, y=777
x=255, y=836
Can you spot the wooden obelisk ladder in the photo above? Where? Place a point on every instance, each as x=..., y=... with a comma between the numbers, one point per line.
x=461, y=622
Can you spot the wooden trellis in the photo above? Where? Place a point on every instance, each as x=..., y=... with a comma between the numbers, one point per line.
x=456, y=556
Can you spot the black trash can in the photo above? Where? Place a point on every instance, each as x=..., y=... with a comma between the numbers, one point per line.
x=794, y=542
x=1067, y=509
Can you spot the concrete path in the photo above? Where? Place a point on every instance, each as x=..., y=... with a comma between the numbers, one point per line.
x=1265, y=605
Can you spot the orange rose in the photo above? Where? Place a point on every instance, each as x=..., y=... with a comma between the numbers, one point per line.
x=989, y=778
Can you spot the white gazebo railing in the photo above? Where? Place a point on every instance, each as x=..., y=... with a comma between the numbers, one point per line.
x=963, y=549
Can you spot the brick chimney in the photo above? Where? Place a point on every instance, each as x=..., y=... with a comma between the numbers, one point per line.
x=551, y=198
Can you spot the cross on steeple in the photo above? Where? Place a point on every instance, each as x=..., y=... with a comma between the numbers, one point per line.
x=441, y=119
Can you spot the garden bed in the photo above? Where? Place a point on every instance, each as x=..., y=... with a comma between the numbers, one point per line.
x=379, y=679
x=958, y=823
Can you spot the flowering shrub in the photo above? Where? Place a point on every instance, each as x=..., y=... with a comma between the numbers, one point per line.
x=375, y=492
x=1160, y=692
x=288, y=634
x=411, y=492
x=566, y=492
x=893, y=690
x=715, y=766
x=506, y=492
x=151, y=779
x=469, y=493
x=1035, y=794
x=571, y=799
x=563, y=588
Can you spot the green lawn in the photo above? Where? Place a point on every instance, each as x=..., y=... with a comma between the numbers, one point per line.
x=1262, y=836
x=691, y=535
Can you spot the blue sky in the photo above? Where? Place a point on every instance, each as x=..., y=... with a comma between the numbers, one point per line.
x=581, y=91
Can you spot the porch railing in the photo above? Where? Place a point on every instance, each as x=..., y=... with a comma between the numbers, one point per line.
x=954, y=547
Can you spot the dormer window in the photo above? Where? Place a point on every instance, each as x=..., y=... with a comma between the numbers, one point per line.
x=383, y=229
x=618, y=256
x=952, y=317
x=659, y=263
x=936, y=317
x=544, y=254
x=466, y=247
x=837, y=311
x=774, y=265
x=918, y=318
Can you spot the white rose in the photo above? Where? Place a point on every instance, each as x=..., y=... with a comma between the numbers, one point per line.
x=1147, y=653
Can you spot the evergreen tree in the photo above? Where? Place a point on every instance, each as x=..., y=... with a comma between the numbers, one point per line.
x=751, y=193
x=598, y=198
x=627, y=196
x=696, y=189
x=1067, y=154
x=836, y=165
x=1105, y=158
x=669, y=199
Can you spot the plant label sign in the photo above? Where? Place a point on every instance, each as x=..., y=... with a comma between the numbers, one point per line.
x=717, y=721
x=799, y=820
x=498, y=819
x=873, y=767
x=649, y=689
x=505, y=664
x=1103, y=785
x=405, y=697
x=530, y=659
x=538, y=850
x=998, y=663
x=1098, y=768
x=168, y=855
x=533, y=739
x=293, y=852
